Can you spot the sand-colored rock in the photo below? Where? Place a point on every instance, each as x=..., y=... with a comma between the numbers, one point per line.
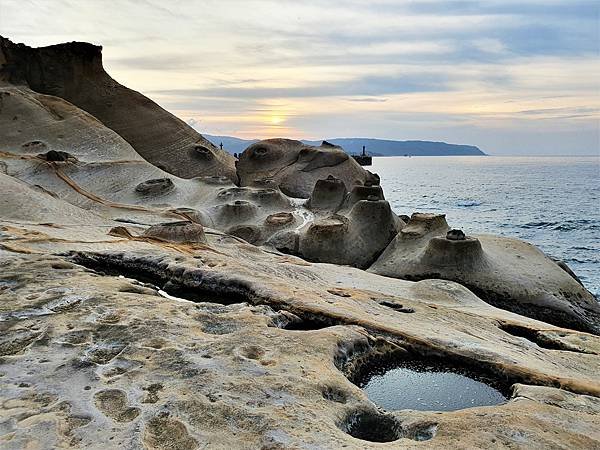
x=74, y=72
x=119, y=329
x=355, y=240
x=506, y=272
x=59, y=125
x=295, y=167
x=94, y=359
x=182, y=232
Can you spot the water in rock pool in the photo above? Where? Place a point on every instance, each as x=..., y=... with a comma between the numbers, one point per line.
x=427, y=387
x=552, y=202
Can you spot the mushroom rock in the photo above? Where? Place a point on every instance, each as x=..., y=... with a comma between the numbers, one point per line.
x=327, y=195
x=422, y=224
x=359, y=193
x=354, y=240
x=74, y=72
x=505, y=272
x=295, y=167
x=234, y=213
x=182, y=232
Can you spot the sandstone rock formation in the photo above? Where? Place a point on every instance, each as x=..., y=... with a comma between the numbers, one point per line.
x=355, y=240
x=295, y=167
x=508, y=273
x=134, y=311
x=74, y=72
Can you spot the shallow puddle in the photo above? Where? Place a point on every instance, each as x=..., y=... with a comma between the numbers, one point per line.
x=426, y=386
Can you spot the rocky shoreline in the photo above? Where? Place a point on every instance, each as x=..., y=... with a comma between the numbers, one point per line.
x=157, y=293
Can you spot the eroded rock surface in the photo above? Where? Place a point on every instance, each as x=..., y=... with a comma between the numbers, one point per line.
x=506, y=272
x=74, y=72
x=135, y=313
x=295, y=167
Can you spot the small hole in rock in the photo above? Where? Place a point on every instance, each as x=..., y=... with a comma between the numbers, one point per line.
x=334, y=394
x=372, y=426
x=304, y=322
x=396, y=306
x=535, y=337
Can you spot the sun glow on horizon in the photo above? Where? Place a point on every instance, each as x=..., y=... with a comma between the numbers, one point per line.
x=276, y=120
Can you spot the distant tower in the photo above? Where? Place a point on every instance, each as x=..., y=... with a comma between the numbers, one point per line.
x=221, y=145
x=364, y=151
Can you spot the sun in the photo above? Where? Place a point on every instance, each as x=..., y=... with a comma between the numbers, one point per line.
x=276, y=120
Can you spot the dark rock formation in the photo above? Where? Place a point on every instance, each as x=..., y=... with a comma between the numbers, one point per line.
x=455, y=235
x=56, y=156
x=74, y=72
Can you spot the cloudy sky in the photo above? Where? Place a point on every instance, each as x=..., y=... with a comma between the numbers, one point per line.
x=513, y=77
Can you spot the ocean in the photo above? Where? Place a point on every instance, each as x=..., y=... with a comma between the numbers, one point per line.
x=552, y=202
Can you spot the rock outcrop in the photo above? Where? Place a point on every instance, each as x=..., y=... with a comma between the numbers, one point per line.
x=74, y=72
x=506, y=272
x=134, y=311
x=356, y=239
x=295, y=167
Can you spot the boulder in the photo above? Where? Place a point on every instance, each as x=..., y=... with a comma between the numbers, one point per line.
x=355, y=240
x=295, y=167
x=505, y=272
x=182, y=232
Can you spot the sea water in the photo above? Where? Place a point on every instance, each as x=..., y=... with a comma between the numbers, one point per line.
x=552, y=202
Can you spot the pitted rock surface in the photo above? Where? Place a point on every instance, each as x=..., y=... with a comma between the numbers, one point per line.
x=160, y=321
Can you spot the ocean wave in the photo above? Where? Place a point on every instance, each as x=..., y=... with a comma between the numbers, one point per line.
x=567, y=225
x=538, y=225
x=468, y=203
x=577, y=225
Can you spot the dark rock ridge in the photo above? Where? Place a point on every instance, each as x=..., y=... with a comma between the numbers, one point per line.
x=375, y=147
x=74, y=72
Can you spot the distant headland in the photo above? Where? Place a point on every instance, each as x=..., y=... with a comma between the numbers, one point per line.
x=375, y=147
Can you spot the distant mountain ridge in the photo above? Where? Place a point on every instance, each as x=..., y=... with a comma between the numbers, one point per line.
x=375, y=147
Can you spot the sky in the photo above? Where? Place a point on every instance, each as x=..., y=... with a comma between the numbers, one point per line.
x=512, y=77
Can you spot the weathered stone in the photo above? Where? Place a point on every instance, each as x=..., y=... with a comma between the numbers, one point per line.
x=205, y=340
x=295, y=167
x=181, y=232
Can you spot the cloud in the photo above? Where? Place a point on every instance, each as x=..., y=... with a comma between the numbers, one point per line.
x=474, y=70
